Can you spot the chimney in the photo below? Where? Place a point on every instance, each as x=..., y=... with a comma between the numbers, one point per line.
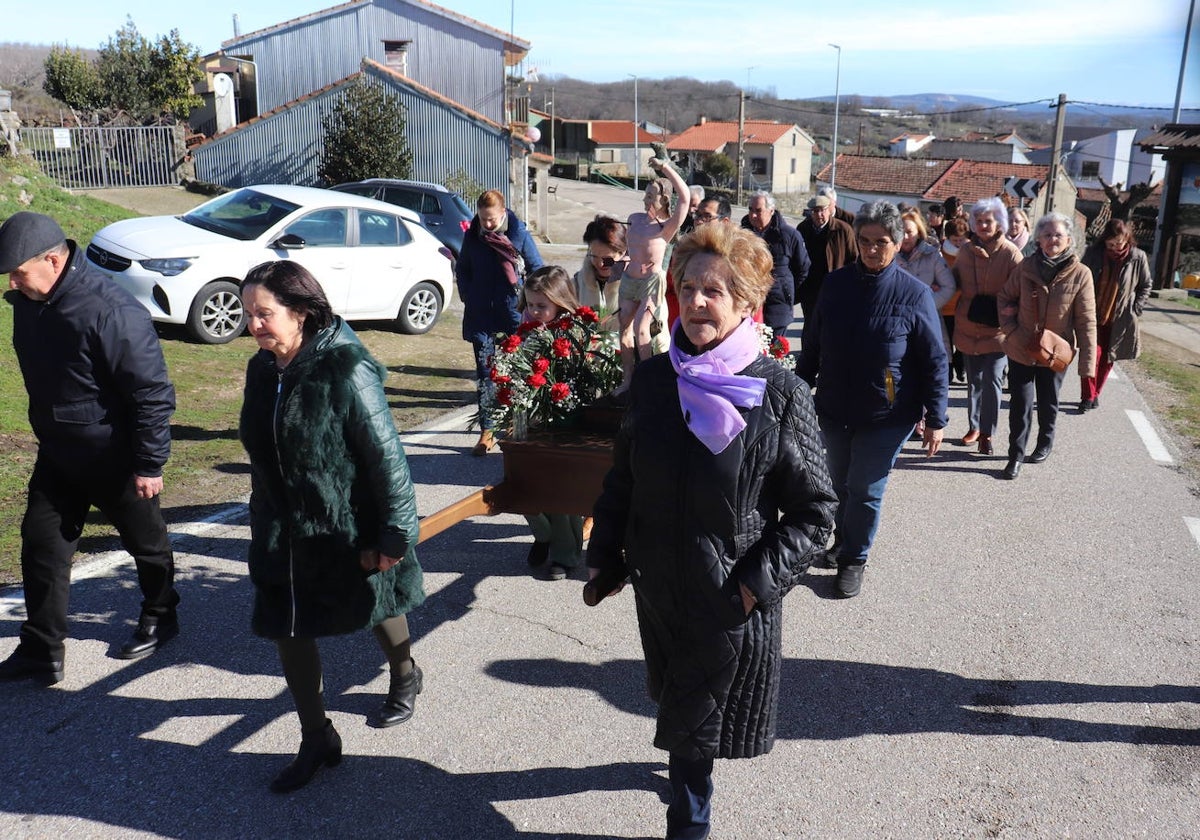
x=703, y=120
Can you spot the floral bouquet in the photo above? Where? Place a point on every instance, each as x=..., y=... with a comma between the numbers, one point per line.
x=542, y=374
x=777, y=347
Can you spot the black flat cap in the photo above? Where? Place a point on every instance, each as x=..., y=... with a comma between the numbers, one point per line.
x=24, y=236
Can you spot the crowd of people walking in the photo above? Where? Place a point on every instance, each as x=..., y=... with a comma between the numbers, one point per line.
x=731, y=473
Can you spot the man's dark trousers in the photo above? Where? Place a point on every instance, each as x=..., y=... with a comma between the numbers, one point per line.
x=58, y=505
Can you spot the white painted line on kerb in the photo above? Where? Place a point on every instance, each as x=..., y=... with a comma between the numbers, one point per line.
x=1154, y=444
x=1193, y=525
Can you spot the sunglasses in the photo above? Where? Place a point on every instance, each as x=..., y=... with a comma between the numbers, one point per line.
x=606, y=262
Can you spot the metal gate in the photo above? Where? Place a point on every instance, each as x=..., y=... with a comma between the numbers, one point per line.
x=97, y=158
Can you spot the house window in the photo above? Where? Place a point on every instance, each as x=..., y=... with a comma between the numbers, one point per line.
x=1089, y=169
x=395, y=56
x=794, y=138
x=793, y=166
x=758, y=166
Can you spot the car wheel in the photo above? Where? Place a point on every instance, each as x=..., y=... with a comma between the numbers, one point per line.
x=420, y=309
x=217, y=316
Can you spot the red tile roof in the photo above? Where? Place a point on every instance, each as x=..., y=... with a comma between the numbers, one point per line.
x=933, y=180
x=972, y=180
x=712, y=136
x=618, y=132
x=897, y=176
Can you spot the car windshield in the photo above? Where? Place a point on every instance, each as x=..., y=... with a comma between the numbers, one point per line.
x=243, y=214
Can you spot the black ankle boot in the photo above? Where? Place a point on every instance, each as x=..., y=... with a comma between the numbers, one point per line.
x=402, y=695
x=321, y=747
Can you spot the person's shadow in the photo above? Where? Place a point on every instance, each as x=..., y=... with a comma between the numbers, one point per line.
x=823, y=699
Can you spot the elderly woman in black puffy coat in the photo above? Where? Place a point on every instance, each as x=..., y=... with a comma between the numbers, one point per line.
x=717, y=501
x=333, y=517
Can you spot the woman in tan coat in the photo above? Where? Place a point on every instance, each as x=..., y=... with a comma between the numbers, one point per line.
x=982, y=269
x=1051, y=289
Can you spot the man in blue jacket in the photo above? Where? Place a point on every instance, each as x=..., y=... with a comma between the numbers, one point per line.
x=100, y=404
x=790, y=256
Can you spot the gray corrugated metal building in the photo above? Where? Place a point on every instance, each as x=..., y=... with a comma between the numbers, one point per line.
x=285, y=147
x=460, y=58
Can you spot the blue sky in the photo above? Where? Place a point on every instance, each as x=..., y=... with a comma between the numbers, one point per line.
x=1124, y=52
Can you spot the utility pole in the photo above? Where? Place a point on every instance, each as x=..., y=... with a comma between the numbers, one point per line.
x=741, y=151
x=553, y=127
x=637, y=154
x=1056, y=154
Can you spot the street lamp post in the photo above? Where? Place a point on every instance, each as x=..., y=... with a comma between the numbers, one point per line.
x=637, y=155
x=837, y=107
x=837, y=111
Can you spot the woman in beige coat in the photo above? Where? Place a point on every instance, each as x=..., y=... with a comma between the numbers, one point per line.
x=982, y=269
x=1051, y=289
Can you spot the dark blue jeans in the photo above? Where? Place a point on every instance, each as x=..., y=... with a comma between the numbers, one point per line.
x=690, y=810
x=859, y=458
x=58, y=504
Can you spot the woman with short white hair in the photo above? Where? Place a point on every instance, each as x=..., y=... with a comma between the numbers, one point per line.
x=982, y=268
x=1052, y=292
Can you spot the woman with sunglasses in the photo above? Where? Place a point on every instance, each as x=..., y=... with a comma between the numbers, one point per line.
x=599, y=279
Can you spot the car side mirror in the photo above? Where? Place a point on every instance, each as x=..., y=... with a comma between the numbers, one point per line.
x=289, y=242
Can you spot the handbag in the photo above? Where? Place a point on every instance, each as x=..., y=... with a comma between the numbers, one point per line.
x=1048, y=348
x=983, y=310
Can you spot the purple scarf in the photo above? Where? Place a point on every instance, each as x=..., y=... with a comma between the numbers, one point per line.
x=710, y=392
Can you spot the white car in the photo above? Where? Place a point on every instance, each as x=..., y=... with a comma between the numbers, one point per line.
x=374, y=260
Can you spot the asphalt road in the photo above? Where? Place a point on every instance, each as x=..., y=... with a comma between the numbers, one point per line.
x=1022, y=663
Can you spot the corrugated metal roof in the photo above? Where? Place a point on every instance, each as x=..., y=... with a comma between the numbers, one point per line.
x=508, y=38
x=1176, y=136
x=285, y=145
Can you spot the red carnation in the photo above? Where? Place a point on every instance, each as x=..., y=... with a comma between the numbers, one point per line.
x=563, y=323
x=535, y=380
x=587, y=315
x=559, y=391
x=780, y=347
x=562, y=348
x=527, y=327
x=510, y=343
x=504, y=396
x=499, y=378
x=540, y=365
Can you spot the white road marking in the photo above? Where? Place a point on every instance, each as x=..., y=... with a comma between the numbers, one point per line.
x=1150, y=438
x=1193, y=525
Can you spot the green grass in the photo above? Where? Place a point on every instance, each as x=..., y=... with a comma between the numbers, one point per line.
x=1182, y=410
x=430, y=374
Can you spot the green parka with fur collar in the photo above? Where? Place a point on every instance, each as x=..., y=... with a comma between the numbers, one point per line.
x=328, y=480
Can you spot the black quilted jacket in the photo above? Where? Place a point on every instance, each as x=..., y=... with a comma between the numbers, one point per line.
x=694, y=525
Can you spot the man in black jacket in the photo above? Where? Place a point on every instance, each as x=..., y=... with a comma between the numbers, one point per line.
x=789, y=254
x=100, y=404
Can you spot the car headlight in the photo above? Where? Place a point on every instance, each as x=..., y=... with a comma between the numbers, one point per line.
x=167, y=267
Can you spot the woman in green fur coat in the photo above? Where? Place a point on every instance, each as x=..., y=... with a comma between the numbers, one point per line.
x=333, y=514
